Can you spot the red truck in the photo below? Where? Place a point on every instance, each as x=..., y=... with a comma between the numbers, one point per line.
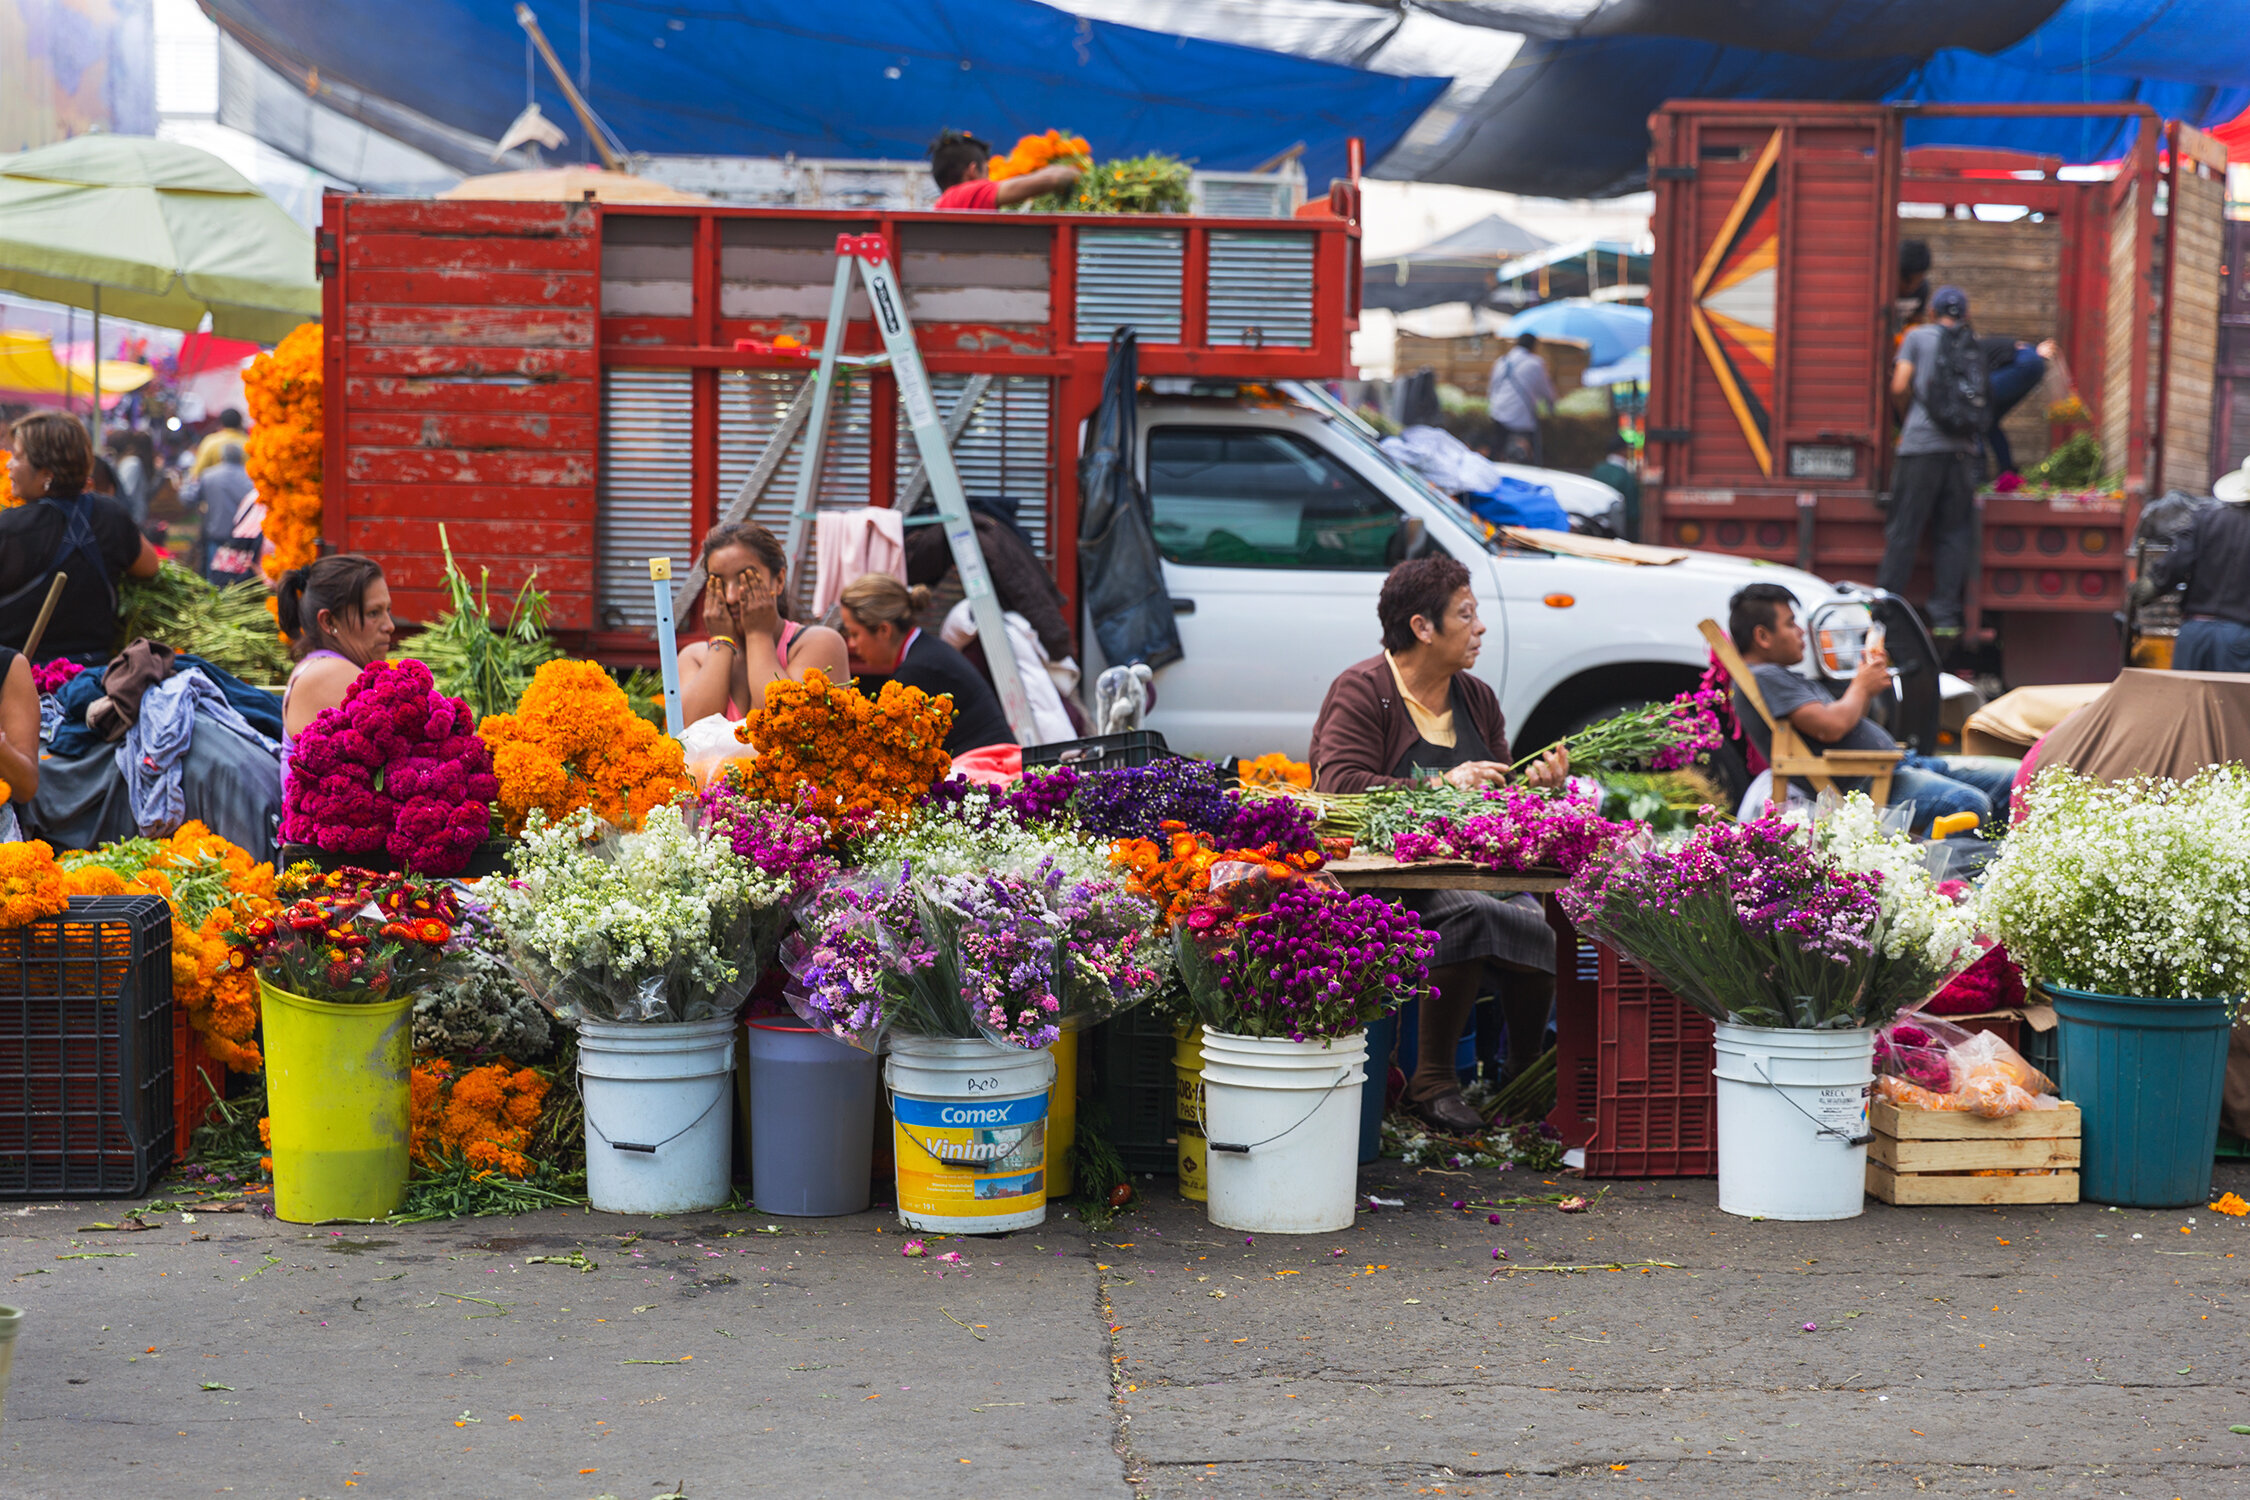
x=1777, y=231
x=565, y=386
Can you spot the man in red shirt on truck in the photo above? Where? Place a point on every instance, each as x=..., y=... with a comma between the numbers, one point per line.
x=957, y=161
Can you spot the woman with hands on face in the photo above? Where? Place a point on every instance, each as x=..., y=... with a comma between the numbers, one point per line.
x=750, y=639
x=1416, y=713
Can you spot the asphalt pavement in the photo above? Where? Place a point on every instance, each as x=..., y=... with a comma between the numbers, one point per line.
x=1649, y=1341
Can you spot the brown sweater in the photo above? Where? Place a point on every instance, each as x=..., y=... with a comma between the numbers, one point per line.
x=1364, y=729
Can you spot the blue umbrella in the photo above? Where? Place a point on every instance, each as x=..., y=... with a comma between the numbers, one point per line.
x=1611, y=329
x=1632, y=368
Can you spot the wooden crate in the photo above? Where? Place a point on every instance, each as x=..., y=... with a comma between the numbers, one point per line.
x=1923, y=1156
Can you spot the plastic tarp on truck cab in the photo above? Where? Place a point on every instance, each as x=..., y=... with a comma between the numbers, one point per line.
x=875, y=78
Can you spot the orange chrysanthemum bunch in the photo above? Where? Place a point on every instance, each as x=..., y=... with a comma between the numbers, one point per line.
x=9, y=499
x=1276, y=769
x=214, y=888
x=283, y=390
x=1035, y=151
x=31, y=883
x=1175, y=872
x=484, y=1116
x=825, y=748
x=574, y=741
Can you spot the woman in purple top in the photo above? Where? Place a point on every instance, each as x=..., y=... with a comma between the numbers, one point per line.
x=337, y=616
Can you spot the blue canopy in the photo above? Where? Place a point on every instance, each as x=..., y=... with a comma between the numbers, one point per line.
x=1609, y=330
x=872, y=78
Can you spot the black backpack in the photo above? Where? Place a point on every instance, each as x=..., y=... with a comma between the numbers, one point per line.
x=1959, y=395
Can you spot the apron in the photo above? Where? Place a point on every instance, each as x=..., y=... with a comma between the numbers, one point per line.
x=1511, y=931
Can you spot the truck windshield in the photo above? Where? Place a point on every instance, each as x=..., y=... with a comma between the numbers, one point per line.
x=1349, y=424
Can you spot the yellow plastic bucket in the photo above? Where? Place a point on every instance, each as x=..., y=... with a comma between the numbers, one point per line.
x=1187, y=1107
x=1062, y=1115
x=969, y=1129
x=337, y=1094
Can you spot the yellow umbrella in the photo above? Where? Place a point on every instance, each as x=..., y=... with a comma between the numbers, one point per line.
x=28, y=367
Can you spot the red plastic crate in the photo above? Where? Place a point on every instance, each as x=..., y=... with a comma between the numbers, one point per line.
x=1577, y=1006
x=198, y=1081
x=1656, y=1104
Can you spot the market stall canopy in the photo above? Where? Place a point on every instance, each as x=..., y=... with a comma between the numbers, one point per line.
x=153, y=231
x=1458, y=267
x=30, y=375
x=1609, y=330
x=2155, y=724
x=1552, y=97
x=569, y=185
x=876, y=78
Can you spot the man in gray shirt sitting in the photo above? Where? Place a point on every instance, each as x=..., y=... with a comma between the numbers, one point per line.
x=1762, y=618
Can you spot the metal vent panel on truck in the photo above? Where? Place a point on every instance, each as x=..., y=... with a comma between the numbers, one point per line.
x=1261, y=292
x=751, y=405
x=1130, y=278
x=647, y=462
x=1002, y=454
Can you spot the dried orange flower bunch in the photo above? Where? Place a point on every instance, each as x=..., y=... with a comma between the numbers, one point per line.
x=825, y=748
x=574, y=741
x=484, y=1116
x=1276, y=769
x=31, y=883
x=214, y=888
x=284, y=452
x=1035, y=151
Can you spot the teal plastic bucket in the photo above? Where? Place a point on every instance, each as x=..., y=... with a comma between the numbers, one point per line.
x=2146, y=1076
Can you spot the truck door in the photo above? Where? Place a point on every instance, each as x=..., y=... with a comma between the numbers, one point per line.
x=1274, y=552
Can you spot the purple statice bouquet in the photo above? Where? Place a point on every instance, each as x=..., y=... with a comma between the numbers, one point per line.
x=1300, y=959
x=1283, y=822
x=1135, y=802
x=1750, y=923
x=789, y=842
x=1515, y=830
x=1041, y=799
x=1014, y=957
x=396, y=767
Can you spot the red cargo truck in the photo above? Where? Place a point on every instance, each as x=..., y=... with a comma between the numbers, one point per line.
x=1777, y=230
x=566, y=386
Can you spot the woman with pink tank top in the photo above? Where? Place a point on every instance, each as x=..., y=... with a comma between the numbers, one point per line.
x=337, y=616
x=751, y=640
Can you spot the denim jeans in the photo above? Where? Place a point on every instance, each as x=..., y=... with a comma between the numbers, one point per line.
x=2009, y=384
x=2211, y=646
x=1938, y=785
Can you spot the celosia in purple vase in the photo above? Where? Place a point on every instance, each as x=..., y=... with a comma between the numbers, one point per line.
x=397, y=767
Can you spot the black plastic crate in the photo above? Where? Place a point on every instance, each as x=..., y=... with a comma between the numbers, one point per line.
x=1131, y=1060
x=86, y=1050
x=1104, y=752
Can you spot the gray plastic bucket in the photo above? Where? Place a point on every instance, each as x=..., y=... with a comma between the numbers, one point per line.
x=812, y=1120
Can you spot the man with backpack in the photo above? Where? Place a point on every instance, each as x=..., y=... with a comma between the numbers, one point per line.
x=1940, y=384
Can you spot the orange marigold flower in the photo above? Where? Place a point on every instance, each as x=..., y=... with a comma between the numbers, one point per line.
x=31, y=883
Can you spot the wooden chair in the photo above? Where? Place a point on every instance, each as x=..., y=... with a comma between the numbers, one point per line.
x=1791, y=755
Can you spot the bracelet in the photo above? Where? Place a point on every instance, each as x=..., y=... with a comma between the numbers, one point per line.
x=727, y=641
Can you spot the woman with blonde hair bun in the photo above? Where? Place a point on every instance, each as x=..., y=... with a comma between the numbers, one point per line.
x=887, y=646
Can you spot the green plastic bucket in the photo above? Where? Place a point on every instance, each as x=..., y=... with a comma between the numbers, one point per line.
x=338, y=1096
x=2146, y=1075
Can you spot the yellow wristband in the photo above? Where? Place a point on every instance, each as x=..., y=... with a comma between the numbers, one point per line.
x=727, y=641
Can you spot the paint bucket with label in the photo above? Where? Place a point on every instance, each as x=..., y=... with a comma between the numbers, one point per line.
x=1793, y=1121
x=969, y=1130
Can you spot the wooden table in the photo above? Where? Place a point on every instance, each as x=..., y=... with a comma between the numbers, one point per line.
x=1380, y=871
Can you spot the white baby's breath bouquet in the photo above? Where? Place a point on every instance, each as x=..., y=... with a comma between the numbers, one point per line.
x=663, y=924
x=1924, y=937
x=2134, y=887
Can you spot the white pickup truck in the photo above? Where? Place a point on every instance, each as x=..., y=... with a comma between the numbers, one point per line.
x=1278, y=517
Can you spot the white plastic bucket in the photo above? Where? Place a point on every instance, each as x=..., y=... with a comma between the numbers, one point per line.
x=1793, y=1121
x=659, y=1114
x=969, y=1133
x=1282, y=1122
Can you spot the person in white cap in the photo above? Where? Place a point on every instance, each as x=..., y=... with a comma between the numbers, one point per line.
x=2212, y=559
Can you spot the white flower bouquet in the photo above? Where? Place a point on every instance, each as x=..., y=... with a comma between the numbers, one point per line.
x=2133, y=887
x=661, y=925
x=1923, y=936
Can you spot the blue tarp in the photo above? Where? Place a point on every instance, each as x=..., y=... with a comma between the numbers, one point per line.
x=871, y=78
x=1568, y=118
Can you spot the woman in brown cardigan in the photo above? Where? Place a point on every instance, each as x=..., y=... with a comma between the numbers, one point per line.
x=1414, y=713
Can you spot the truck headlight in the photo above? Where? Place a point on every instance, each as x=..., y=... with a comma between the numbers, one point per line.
x=1838, y=635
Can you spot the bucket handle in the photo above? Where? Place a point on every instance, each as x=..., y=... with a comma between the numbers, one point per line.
x=644, y=1150
x=1233, y=1148
x=1818, y=1128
